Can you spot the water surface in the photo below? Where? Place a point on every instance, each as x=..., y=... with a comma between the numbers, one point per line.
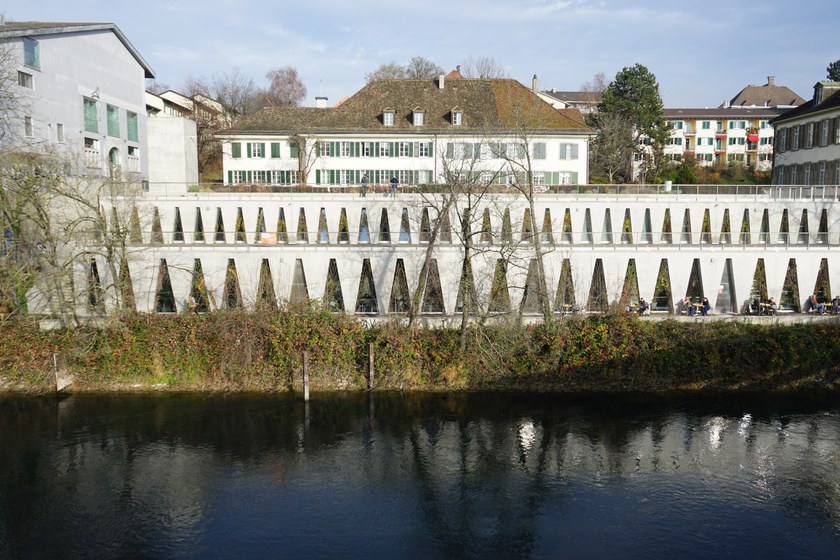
x=420, y=476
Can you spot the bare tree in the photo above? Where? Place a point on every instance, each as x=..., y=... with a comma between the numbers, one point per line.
x=613, y=147
x=237, y=93
x=285, y=89
x=593, y=90
x=156, y=87
x=11, y=102
x=483, y=67
x=387, y=71
x=418, y=68
x=209, y=121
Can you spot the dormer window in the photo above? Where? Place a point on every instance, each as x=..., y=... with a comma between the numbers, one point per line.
x=419, y=116
x=388, y=117
x=457, y=117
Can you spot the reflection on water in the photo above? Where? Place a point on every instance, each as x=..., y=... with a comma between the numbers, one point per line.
x=419, y=476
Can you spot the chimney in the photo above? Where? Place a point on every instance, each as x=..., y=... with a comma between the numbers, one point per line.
x=321, y=102
x=771, y=80
x=440, y=82
x=726, y=104
x=535, y=83
x=458, y=69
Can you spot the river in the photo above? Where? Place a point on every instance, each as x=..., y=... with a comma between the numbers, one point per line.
x=497, y=475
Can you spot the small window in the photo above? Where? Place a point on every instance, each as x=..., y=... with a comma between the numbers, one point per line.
x=388, y=118
x=133, y=152
x=418, y=117
x=27, y=127
x=457, y=118
x=31, y=56
x=113, y=115
x=59, y=132
x=25, y=80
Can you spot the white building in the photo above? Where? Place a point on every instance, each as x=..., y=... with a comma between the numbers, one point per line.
x=81, y=93
x=410, y=129
x=808, y=140
x=172, y=146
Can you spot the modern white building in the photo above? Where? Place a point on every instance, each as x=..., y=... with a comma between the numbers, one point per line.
x=81, y=93
x=808, y=140
x=172, y=142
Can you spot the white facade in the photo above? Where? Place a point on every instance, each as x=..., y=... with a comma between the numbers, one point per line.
x=341, y=160
x=172, y=147
x=81, y=93
x=808, y=142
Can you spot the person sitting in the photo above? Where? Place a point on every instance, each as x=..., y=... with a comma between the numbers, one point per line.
x=835, y=305
x=772, y=306
x=704, y=310
x=689, y=308
x=814, y=305
x=644, y=307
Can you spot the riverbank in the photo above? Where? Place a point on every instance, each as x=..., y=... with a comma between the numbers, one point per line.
x=239, y=351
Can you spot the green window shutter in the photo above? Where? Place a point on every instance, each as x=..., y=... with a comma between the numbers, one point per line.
x=574, y=177
x=358, y=147
x=332, y=176
x=411, y=149
x=230, y=177
x=248, y=149
x=262, y=149
x=236, y=149
x=431, y=149
x=317, y=176
x=275, y=149
x=336, y=149
x=575, y=151
x=450, y=150
x=376, y=149
x=248, y=177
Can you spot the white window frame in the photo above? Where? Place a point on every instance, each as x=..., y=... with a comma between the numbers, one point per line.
x=26, y=80
x=28, y=127
x=384, y=149
x=403, y=150
x=824, y=133
x=59, y=132
x=421, y=149
x=419, y=118
x=821, y=180
x=388, y=118
x=345, y=149
x=457, y=118
x=809, y=136
x=367, y=149
x=794, y=143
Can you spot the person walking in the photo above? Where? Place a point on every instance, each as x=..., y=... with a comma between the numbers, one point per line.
x=394, y=183
x=363, y=192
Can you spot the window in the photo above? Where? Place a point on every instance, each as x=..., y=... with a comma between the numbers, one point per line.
x=255, y=149
x=764, y=124
x=675, y=141
x=294, y=150
x=134, y=159
x=457, y=118
x=236, y=150
x=59, y=131
x=405, y=149
x=421, y=149
x=131, y=126
x=324, y=149
x=539, y=178
x=418, y=118
x=345, y=149
x=31, y=56
x=568, y=151
x=275, y=150
x=91, y=115
x=677, y=125
x=388, y=118
x=706, y=125
x=539, y=150
x=795, y=140
x=809, y=136
x=367, y=149
x=92, y=152
x=821, y=180
x=767, y=140
x=113, y=114
x=782, y=139
x=384, y=149
x=25, y=80
x=824, y=133
x=27, y=127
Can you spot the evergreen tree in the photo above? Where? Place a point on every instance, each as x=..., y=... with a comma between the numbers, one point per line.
x=833, y=71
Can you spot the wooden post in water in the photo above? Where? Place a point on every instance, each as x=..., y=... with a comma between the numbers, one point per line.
x=370, y=365
x=306, y=376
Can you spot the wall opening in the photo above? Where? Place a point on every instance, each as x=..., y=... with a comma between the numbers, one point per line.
x=433, y=293
x=239, y=228
x=532, y=296
x=466, y=300
x=126, y=287
x=400, y=300
x=366, y=301
x=266, y=298
x=220, y=236
x=157, y=230
x=198, y=229
x=282, y=230
x=499, y=292
x=299, y=295
x=323, y=229
x=199, y=296
x=384, y=227
x=302, y=228
x=598, y=299
x=333, y=296
x=232, y=295
x=790, y=299
x=630, y=291
x=164, y=297
x=726, y=299
x=564, y=300
x=178, y=227
x=662, y=297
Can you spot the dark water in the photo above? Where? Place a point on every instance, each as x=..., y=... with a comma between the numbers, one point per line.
x=420, y=476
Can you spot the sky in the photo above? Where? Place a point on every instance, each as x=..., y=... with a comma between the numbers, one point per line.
x=701, y=52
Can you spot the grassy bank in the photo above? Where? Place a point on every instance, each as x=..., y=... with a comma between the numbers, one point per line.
x=252, y=351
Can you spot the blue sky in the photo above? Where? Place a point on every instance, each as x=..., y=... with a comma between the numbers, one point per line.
x=701, y=52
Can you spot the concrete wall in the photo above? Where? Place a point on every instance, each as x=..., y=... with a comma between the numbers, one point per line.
x=648, y=249
x=173, y=156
